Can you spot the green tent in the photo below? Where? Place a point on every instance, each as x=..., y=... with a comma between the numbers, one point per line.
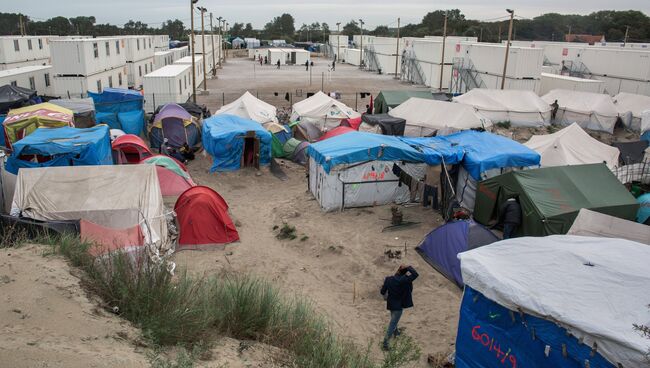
x=277, y=148
x=551, y=197
x=389, y=99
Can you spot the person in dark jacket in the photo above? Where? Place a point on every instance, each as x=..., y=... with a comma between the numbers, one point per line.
x=397, y=290
x=554, y=107
x=510, y=212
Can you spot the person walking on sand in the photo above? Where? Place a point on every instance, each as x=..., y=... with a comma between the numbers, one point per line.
x=333, y=65
x=510, y=213
x=307, y=65
x=397, y=290
x=278, y=63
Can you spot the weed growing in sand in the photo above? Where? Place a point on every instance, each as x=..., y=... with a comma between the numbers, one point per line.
x=286, y=232
x=402, y=351
x=503, y=124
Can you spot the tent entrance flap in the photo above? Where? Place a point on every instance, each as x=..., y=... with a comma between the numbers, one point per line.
x=250, y=155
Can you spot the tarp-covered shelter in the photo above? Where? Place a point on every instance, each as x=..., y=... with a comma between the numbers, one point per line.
x=113, y=196
x=387, y=100
x=592, y=223
x=196, y=110
x=172, y=175
x=174, y=123
x=83, y=109
x=120, y=109
x=235, y=142
x=336, y=132
x=630, y=107
x=63, y=146
x=203, y=219
x=357, y=169
x=306, y=131
x=296, y=151
x=14, y=97
x=595, y=111
x=322, y=111
x=551, y=197
x=425, y=117
x=440, y=248
x=519, y=107
x=572, y=146
x=250, y=107
x=129, y=149
x=21, y=122
x=382, y=124
x=631, y=152
x=558, y=301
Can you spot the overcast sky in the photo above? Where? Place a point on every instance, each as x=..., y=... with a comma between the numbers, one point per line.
x=258, y=12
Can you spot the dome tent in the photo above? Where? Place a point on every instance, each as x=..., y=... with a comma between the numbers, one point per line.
x=129, y=149
x=172, y=175
x=176, y=125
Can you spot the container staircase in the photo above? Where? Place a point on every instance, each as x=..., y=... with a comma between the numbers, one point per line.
x=464, y=76
x=577, y=69
x=411, y=70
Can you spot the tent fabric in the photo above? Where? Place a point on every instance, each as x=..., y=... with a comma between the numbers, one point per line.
x=83, y=109
x=485, y=151
x=594, y=111
x=424, y=117
x=322, y=110
x=23, y=121
x=169, y=163
x=203, y=219
x=572, y=146
x=631, y=152
x=551, y=197
x=105, y=240
x=113, y=196
x=171, y=111
x=630, y=108
x=223, y=138
x=177, y=125
x=120, y=108
x=351, y=123
x=198, y=111
x=387, y=100
x=130, y=149
x=131, y=122
x=172, y=175
x=336, y=132
x=645, y=125
x=592, y=223
x=561, y=279
x=108, y=118
x=382, y=124
x=307, y=131
x=13, y=97
x=299, y=155
x=519, y=107
x=250, y=107
x=440, y=248
x=64, y=146
x=644, y=208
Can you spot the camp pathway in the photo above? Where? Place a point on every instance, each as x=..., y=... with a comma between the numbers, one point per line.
x=335, y=255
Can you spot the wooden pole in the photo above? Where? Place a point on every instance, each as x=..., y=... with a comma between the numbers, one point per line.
x=397, y=50
x=442, y=57
x=214, y=60
x=205, y=56
x=505, y=62
x=192, y=50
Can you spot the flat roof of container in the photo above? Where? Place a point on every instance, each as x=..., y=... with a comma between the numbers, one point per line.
x=159, y=53
x=111, y=38
x=170, y=70
x=566, y=77
x=17, y=36
x=22, y=70
x=188, y=59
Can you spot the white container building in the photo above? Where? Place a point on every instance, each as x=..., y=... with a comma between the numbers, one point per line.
x=288, y=56
x=161, y=42
x=139, y=48
x=554, y=81
x=171, y=83
x=356, y=40
x=137, y=70
x=79, y=86
x=351, y=56
x=162, y=58
x=198, y=66
x=251, y=43
x=523, y=62
x=38, y=78
x=180, y=52
x=16, y=51
x=87, y=56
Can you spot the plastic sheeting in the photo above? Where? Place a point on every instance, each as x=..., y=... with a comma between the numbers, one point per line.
x=120, y=109
x=387, y=100
x=21, y=122
x=593, y=111
x=592, y=223
x=630, y=107
x=62, y=147
x=382, y=124
x=322, y=110
x=83, y=108
x=223, y=138
x=519, y=107
x=572, y=146
x=569, y=280
x=250, y=107
x=13, y=97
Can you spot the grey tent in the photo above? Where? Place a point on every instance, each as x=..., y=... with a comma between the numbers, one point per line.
x=13, y=97
x=631, y=152
x=382, y=123
x=83, y=108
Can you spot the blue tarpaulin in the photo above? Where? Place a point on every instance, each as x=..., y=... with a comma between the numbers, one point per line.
x=492, y=336
x=120, y=109
x=485, y=151
x=223, y=138
x=64, y=146
x=356, y=147
x=2, y=133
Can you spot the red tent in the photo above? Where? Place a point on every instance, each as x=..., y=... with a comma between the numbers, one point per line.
x=105, y=240
x=130, y=149
x=203, y=219
x=352, y=123
x=172, y=175
x=336, y=131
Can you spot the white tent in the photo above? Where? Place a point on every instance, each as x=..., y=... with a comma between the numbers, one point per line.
x=592, y=223
x=113, y=196
x=594, y=111
x=572, y=146
x=424, y=117
x=645, y=122
x=323, y=111
x=630, y=107
x=519, y=107
x=250, y=107
x=595, y=288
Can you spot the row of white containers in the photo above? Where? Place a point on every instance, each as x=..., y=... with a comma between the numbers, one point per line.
x=169, y=84
x=37, y=78
x=79, y=86
x=18, y=51
x=161, y=42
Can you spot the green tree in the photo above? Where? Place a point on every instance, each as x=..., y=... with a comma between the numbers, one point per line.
x=237, y=29
x=381, y=31
x=351, y=29
x=175, y=29
x=82, y=25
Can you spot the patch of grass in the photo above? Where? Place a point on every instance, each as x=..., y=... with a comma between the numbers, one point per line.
x=184, y=358
x=504, y=124
x=402, y=351
x=287, y=232
x=304, y=238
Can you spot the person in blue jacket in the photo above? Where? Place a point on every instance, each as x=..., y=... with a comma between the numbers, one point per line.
x=398, y=290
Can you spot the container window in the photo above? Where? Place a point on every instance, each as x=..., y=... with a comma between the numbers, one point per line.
x=151, y=66
x=110, y=81
x=29, y=44
x=138, y=43
x=117, y=47
x=185, y=80
x=40, y=44
x=32, y=83
x=99, y=86
x=140, y=70
x=47, y=79
x=16, y=45
x=119, y=78
x=146, y=69
x=95, y=50
x=180, y=87
x=150, y=43
x=14, y=83
x=108, y=49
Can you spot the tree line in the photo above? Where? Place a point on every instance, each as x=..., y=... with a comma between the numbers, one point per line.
x=547, y=27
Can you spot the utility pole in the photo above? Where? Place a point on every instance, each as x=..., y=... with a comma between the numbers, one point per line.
x=214, y=60
x=338, y=42
x=505, y=63
x=220, y=42
x=361, y=49
x=480, y=35
x=499, y=32
x=627, y=30
x=205, y=55
x=22, y=30
x=192, y=2
x=442, y=58
x=568, y=38
x=397, y=50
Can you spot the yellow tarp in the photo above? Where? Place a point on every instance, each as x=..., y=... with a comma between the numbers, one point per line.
x=22, y=122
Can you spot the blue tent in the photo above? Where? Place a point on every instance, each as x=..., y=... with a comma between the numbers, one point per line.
x=644, y=208
x=120, y=109
x=485, y=151
x=356, y=147
x=441, y=246
x=223, y=138
x=64, y=146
